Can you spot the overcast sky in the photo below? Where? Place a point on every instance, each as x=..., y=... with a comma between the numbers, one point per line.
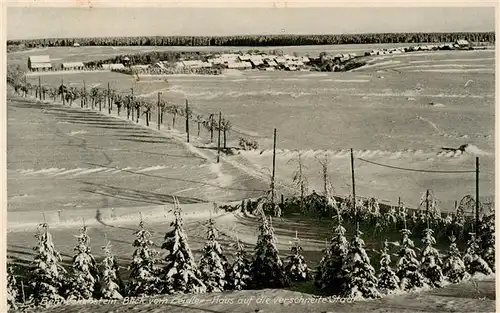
x=24, y=23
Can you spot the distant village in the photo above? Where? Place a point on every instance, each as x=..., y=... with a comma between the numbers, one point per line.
x=213, y=63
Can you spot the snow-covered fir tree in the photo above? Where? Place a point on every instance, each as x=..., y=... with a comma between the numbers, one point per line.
x=487, y=240
x=402, y=212
x=46, y=277
x=373, y=207
x=267, y=268
x=453, y=267
x=296, y=267
x=413, y=220
x=318, y=276
x=448, y=220
x=431, y=264
x=332, y=275
x=239, y=276
x=361, y=281
x=408, y=267
x=473, y=261
x=84, y=269
x=143, y=279
x=429, y=206
x=109, y=288
x=213, y=264
x=391, y=216
x=12, y=291
x=180, y=274
x=388, y=281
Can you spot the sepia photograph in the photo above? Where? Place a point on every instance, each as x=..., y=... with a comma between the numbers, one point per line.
x=275, y=158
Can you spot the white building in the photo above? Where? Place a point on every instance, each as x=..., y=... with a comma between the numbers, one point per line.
x=72, y=66
x=114, y=66
x=39, y=63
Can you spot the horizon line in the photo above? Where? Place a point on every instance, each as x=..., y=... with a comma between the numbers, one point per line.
x=270, y=34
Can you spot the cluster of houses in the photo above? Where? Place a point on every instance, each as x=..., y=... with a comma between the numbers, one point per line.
x=239, y=61
x=260, y=61
x=459, y=44
x=37, y=63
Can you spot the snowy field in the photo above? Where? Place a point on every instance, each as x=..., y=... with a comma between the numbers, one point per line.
x=411, y=105
x=71, y=165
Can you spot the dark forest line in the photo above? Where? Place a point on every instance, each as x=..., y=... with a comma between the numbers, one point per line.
x=259, y=40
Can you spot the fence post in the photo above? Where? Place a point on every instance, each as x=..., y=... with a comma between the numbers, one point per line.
x=109, y=101
x=477, y=194
x=187, y=120
x=22, y=289
x=131, y=110
x=158, y=111
x=218, y=142
x=85, y=95
x=62, y=92
x=25, y=86
x=274, y=167
x=40, y=87
x=427, y=204
x=353, y=186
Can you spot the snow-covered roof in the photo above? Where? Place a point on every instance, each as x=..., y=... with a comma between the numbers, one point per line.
x=72, y=64
x=192, y=63
x=271, y=63
x=114, y=66
x=239, y=65
x=41, y=65
x=39, y=59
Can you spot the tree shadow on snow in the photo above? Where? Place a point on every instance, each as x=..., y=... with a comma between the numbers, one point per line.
x=136, y=195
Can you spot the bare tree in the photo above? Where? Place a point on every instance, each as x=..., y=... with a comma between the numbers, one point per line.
x=210, y=124
x=199, y=120
x=299, y=179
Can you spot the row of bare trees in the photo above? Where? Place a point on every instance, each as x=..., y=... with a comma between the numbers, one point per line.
x=109, y=98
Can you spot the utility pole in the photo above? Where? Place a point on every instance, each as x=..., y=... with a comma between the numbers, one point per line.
x=40, y=87
x=187, y=120
x=353, y=187
x=427, y=205
x=158, y=111
x=131, y=106
x=477, y=194
x=274, y=168
x=218, y=141
x=85, y=94
x=62, y=92
x=109, y=100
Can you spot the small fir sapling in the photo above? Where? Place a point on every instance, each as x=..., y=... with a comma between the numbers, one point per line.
x=431, y=264
x=46, y=277
x=12, y=290
x=239, y=276
x=487, y=240
x=180, y=273
x=360, y=281
x=408, y=267
x=332, y=277
x=267, y=268
x=296, y=267
x=84, y=269
x=473, y=261
x=454, y=267
x=143, y=279
x=109, y=288
x=388, y=281
x=213, y=264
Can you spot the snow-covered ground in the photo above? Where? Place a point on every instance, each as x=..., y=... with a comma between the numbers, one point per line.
x=69, y=166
